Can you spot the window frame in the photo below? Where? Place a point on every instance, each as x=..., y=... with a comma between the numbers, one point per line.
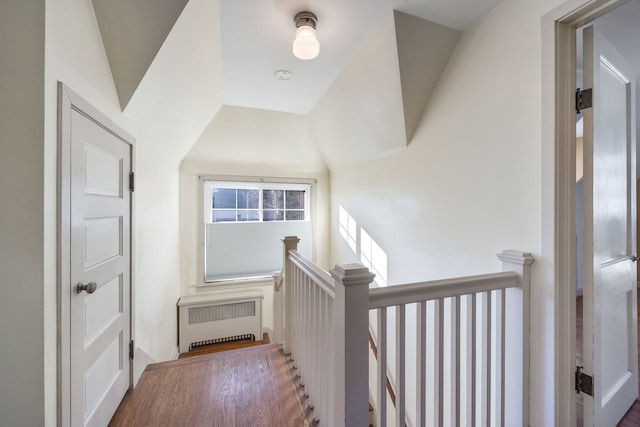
x=248, y=182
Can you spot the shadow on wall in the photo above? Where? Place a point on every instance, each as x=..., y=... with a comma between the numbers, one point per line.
x=371, y=254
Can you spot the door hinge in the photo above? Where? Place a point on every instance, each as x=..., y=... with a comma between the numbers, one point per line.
x=131, y=177
x=131, y=349
x=584, y=382
x=584, y=99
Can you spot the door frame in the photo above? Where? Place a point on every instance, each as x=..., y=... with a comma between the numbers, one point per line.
x=69, y=101
x=559, y=158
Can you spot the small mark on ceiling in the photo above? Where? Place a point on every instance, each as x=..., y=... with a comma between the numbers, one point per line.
x=282, y=74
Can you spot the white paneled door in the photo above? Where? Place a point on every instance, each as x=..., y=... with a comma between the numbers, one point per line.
x=610, y=305
x=99, y=197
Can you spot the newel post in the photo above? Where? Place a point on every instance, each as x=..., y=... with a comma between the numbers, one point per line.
x=351, y=357
x=517, y=326
x=288, y=243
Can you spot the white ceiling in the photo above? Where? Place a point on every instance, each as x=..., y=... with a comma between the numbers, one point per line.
x=257, y=35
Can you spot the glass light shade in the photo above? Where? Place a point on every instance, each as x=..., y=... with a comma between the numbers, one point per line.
x=306, y=45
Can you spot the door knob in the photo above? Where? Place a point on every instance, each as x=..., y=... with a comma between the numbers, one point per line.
x=89, y=287
x=634, y=258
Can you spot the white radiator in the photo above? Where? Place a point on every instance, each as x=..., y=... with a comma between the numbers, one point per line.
x=208, y=319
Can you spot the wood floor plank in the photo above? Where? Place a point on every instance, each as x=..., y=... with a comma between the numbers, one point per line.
x=242, y=388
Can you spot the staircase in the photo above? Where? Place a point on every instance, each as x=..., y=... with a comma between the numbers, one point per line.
x=253, y=386
x=450, y=351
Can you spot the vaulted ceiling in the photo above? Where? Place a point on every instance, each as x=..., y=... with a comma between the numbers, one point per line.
x=255, y=41
x=379, y=63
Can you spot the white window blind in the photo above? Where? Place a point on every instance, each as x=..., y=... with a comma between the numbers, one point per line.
x=242, y=238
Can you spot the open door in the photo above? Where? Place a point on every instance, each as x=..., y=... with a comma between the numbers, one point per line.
x=610, y=305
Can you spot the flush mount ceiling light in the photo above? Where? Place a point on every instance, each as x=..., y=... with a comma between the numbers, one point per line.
x=306, y=45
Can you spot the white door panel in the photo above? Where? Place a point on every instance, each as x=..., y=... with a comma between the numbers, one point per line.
x=102, y=240
x=610, y=305
x=100, y=252
x=103, y=172
x=102, y=308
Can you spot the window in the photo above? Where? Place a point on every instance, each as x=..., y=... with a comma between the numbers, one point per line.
x=235, y=204
x=244, y=222
x=257, y=204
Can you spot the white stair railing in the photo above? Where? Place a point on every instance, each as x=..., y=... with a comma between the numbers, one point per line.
x=324, y=315
x=471, y=365
x=473, y=371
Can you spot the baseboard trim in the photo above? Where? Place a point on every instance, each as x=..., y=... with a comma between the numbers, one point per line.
x=140, y=361
x=176, y=354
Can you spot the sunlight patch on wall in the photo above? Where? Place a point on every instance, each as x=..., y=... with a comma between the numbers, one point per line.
x=373, y=257
x=348, y=228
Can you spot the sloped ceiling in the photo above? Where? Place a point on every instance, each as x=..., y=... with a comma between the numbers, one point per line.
x=377, y=69
x=180, y=92
x=253, y=139
x=256, y=40
x=132, y=33
x=378, y=100
x=257, y=37
x=424, y=48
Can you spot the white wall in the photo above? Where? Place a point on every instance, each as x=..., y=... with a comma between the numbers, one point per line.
x=173, y=104
x=251, y=142
x=22, y=49
x=470, y=182
x=177, y=98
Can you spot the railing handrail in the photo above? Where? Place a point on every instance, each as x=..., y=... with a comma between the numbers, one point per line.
x=425, y=291
x=320, y=276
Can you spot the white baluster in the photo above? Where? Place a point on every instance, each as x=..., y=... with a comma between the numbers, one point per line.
x=466, y=360
x=474, y=358
x=289, y=243
x=278, y=306
x=455, y=353
x=439, y=365
x=487, y=357
x=400, y=365
x=500, y=317
x=331, y=347
x=381, y=369
x=323, y=349
x=314, y=392
x=421, y=361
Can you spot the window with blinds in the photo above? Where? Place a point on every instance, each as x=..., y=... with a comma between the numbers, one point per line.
x=244, y=222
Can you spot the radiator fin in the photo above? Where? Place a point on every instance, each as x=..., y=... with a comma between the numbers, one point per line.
x=214, y=313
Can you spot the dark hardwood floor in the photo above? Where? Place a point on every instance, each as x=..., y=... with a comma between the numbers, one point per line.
x=245, y=387
x=632, y=417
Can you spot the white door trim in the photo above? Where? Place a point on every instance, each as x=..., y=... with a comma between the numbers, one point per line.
x=558, y=131
x=69, y=101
